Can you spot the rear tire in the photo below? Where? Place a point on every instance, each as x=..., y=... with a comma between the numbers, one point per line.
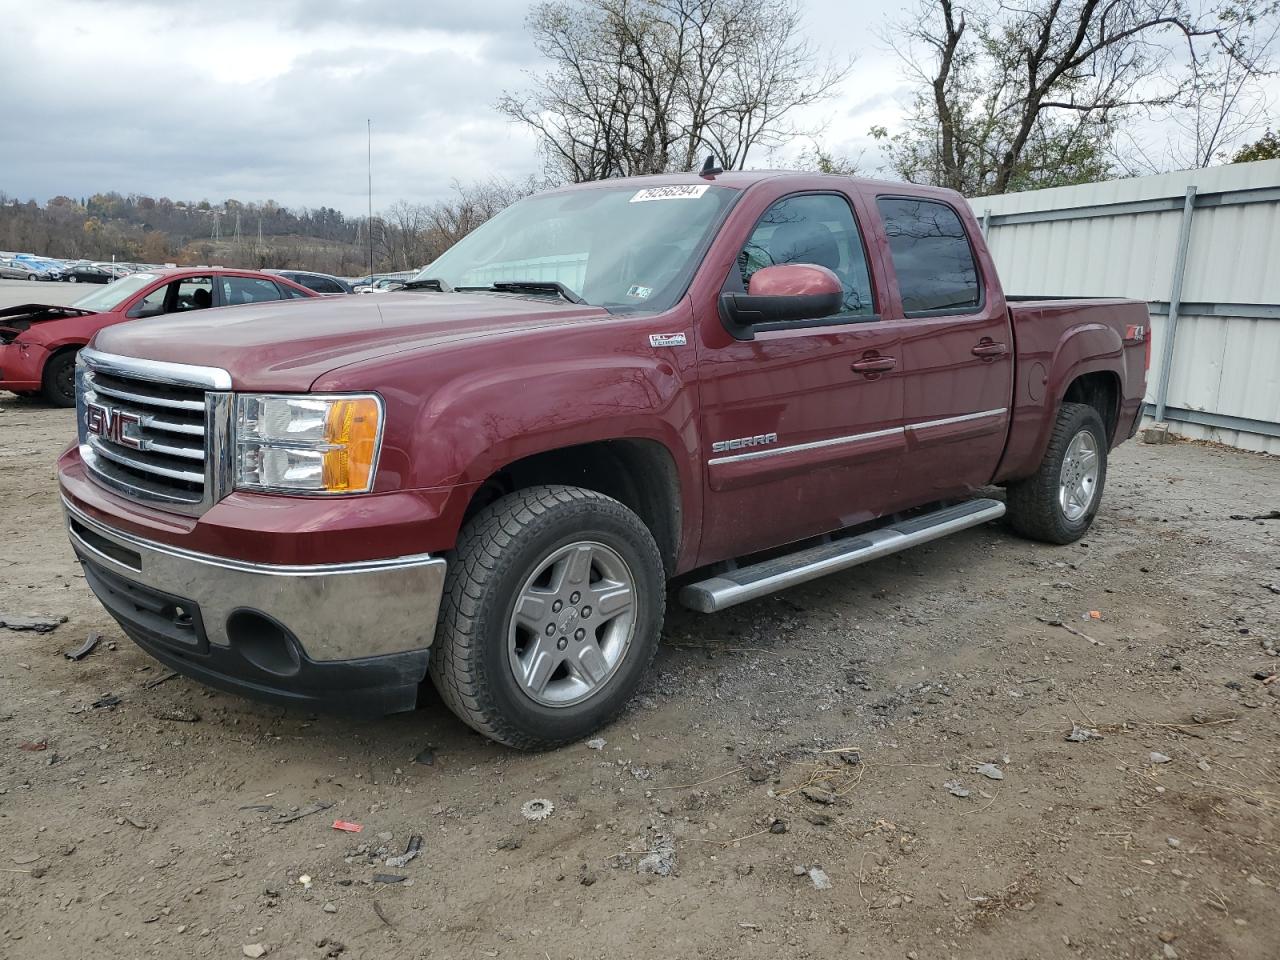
x=31, y=276
x=518, y=593
x=1058, y=503
x=59, y=381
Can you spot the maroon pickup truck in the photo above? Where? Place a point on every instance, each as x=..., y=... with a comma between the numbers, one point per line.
x=743, y=381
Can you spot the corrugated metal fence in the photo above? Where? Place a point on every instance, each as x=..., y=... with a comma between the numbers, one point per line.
x=1203, y=248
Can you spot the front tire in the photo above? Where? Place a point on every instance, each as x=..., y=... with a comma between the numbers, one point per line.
x=59, y=381
x=31, y=276
x=552, y=608
x=71, y=279
x=1058, y=503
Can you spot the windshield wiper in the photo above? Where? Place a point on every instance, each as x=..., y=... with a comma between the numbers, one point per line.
x=536, y=286
x=430, y=283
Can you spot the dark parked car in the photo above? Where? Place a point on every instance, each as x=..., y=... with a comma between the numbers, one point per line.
x=95, y=273
x=319, y=282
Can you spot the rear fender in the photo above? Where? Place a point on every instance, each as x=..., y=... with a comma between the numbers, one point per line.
x=1043, y=379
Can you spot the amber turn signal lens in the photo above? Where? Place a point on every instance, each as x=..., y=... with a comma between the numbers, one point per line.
x=351, y=431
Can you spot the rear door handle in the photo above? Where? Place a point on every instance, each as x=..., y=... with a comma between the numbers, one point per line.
x=989, y=350
x=874, y=364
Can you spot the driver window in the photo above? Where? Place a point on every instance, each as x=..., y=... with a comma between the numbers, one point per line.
x=813, y=228
x=194, y=293
x=152, y=305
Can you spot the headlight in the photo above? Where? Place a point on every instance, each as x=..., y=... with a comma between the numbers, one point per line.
x=307, y=443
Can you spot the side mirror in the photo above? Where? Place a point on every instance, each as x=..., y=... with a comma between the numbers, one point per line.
x=784, y=293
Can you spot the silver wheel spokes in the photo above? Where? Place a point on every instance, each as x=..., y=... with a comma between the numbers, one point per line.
x=1078, y=483
x=571, y=624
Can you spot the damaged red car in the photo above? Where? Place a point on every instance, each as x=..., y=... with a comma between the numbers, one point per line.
x=39, y=342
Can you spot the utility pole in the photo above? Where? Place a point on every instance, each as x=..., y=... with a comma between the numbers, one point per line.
x=369, y=222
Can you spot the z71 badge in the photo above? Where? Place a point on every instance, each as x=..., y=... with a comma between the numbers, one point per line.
x=759, y=440
x=666, y=340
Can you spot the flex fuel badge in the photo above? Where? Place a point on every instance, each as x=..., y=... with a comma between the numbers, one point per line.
x=666, y=340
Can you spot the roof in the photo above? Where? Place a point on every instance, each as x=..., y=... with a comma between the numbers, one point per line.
x=743, y=179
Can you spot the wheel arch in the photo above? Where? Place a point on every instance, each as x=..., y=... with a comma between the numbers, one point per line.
x=639, y=473
x=1099, y=389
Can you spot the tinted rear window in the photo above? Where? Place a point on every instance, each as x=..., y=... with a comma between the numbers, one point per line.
x=931, y=255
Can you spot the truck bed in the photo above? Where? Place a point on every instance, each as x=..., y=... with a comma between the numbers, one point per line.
x=1059, y=340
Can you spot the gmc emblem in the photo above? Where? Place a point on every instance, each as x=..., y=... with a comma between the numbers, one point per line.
x=110, y=424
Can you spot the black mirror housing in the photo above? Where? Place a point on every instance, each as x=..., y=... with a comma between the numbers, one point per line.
x=743, y=312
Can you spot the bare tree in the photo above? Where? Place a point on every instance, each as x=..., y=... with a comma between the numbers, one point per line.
x=1020, y=95
x=647, y=86
x=1226, y=100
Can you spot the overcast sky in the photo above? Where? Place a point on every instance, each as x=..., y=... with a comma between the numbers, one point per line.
x=267, y=99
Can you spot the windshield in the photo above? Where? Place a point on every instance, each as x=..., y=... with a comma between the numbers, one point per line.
x=616, y=247
x=114, y=294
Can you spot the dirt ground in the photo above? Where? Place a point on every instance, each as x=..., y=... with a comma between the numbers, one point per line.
x=132, y=833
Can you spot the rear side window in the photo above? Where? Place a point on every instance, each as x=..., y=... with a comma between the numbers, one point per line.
x=236, y=290
x=931, y=256
x=318, y=284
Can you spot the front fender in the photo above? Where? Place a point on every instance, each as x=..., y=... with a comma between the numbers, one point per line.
x=456, y=417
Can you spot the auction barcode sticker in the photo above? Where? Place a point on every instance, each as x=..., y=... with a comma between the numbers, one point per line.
x=684, y=191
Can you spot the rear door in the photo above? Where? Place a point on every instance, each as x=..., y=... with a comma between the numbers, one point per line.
x=799, y=438
x=957, y=359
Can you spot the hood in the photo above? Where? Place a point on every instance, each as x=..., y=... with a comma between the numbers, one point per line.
x=286, y=345
x=14, y=320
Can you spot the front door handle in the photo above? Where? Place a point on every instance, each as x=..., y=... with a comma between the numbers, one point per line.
x=874, y=364
x=989, y=350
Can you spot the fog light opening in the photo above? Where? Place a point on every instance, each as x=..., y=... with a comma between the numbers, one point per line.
x=263, y=642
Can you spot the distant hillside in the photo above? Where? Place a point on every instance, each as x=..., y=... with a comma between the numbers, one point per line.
x=137, y=228
x=140, y=228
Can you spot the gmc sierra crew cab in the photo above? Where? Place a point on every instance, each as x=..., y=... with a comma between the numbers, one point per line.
x=738, y=381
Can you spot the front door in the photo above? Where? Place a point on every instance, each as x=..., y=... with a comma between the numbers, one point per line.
x=801, y=426
x=957, y=351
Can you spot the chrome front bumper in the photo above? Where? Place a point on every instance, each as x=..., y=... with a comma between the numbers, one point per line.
x=334, y=612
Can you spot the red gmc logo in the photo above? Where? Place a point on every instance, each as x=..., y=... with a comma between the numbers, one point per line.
x=110, y=424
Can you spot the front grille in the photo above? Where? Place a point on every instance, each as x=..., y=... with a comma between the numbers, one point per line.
x=151, y=430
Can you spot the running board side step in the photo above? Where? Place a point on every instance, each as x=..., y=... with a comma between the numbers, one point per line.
x=748, y=583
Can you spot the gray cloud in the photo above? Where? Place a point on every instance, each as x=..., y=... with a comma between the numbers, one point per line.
x=269, y=100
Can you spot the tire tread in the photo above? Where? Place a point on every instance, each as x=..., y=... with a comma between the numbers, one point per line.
x=1033, y=510
x=478, y=559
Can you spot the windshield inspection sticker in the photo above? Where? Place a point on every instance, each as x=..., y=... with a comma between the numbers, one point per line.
x=667, y=340
x=685, y=191
x=637, y=292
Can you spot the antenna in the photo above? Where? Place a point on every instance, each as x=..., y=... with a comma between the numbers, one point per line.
x=369, y=222
x=710, y=168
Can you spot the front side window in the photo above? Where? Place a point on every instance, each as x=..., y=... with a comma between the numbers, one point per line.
x=931, y=256
x=237, y=290
x=817, y=229
x=152, y=305
x=194, y=293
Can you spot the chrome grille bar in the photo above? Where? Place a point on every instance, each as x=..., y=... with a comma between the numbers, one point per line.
x=155, y=431
x=117, y=393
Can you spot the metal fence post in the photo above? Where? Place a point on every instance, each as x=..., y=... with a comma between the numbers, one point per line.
x=986, y=223
x=1175, y=301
